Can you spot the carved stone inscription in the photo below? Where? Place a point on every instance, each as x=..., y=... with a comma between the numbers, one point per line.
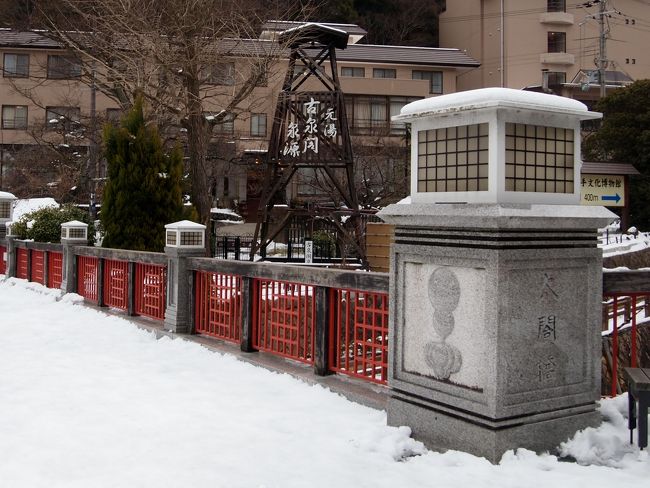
x=546, y=329
x=443, y=334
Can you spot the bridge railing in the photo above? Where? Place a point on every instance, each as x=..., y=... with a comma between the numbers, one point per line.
x=626, y=307
x=334, y=320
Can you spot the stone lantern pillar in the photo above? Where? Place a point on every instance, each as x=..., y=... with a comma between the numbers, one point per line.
x=73, y=233
x=6, y=211
x=495, y=275
x=183, y=239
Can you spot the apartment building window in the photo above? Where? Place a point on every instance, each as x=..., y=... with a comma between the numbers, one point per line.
x=14, y=116
x=353, y=72
x=16, y=65
x=557, y=42
x=434, y=78
x=384, y=73
x=556, y=6
x=556, y=78
x=371, y=114
x=61, y=67
x=227, y=126
x=258, y=125
x=63, y=118
x=221, y=74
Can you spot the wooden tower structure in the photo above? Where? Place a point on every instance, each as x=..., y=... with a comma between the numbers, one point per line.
x=310, y=133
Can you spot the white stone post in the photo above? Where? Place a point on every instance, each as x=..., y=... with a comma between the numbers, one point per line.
x=183, y=240
x=495, y=276
x=6, y=211
x=73, y=233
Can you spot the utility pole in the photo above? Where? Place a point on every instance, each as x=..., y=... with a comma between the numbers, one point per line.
x=602, y=54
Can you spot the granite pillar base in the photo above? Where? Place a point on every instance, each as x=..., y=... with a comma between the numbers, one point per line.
x=442, y=428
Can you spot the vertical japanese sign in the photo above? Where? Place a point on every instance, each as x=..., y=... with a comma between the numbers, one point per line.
x=309, y=251
x=302, y=138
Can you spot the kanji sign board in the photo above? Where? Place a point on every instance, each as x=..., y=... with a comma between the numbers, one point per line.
x=605, y=190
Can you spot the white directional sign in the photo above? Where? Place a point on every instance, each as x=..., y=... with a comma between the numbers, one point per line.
x=605, y=190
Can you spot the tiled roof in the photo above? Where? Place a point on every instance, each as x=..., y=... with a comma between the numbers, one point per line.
x=407, y=55
x=26, y=39
x=426, y=56
x=600, y=168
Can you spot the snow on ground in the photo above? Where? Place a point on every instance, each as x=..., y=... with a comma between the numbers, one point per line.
x=25, y=206
x=89, y=400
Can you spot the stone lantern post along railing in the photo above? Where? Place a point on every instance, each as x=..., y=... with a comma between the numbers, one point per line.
x=6, y=211
x=73, y=233
x=183, y=240
x=496, y=278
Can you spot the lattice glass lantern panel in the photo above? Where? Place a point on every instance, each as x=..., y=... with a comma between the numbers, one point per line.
x=74, y=230
x=5, y=209
x=452, y=159
x=539, y=158
x=185, y=234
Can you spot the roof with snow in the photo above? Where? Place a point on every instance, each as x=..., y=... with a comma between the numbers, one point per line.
x=312, y=32
x=495, y=98
x=272, y=28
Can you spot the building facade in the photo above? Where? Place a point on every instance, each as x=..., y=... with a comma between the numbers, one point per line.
x=530, y=43
x=47, y=99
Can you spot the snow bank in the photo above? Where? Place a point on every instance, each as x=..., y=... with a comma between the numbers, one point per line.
x=89, y=400
x=25, y=206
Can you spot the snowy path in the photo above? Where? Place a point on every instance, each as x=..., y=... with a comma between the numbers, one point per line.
x=88, y=400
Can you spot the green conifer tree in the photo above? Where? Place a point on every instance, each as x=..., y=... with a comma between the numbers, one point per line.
x=143, y=191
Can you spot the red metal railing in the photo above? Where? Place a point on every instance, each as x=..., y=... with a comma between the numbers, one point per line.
x=3, y=262
x=22, y=256
x=150, y=284
x=359, y=334
x=54, y=269
x=218, y=305
x=116, y=284
x=623, y=311
x=87, y=277
x=38, y=266
x=284, y=315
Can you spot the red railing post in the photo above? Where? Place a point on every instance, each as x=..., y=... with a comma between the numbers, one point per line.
x=615, y=348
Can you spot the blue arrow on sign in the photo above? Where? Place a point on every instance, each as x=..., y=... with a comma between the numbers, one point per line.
x=611, y=198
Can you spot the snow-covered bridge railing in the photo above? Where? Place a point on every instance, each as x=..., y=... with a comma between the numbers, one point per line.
x=336, y=320
x=626, y=307
x=38, y=262
x=132, y=281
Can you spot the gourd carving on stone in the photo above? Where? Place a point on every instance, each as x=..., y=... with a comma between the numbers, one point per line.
x=444, y=294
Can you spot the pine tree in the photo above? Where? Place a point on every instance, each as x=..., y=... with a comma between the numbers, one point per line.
x=143, y=191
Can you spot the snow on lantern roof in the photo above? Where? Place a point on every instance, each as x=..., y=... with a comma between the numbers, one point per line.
x=494, y=98
x=5, y=195
x=185, y=225
x=74, y=223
